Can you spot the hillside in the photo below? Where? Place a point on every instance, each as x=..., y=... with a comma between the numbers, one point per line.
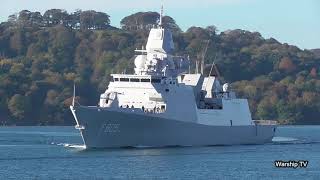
x=316, y=52
x=41, y=56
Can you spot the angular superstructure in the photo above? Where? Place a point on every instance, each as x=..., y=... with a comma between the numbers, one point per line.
x=162, y=105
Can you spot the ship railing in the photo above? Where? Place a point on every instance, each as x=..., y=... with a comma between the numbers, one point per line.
x=145, y=110
x=154, y=111
x=265, y=122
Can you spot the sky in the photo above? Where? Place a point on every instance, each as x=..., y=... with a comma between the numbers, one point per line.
x=296, y=22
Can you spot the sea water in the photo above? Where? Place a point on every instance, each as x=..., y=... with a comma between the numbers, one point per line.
x=58, y=153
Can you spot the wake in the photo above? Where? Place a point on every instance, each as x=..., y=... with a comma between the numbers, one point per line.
x=283, y=139
x=74, y=146
x=290, y=140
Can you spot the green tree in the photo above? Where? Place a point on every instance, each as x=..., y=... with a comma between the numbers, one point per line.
x=265, y=110
x=19, y=106
x=147, y=20
x=17, y=42
x=287, y=65
x=54, y=17
x=285, y=112
x=94, y=20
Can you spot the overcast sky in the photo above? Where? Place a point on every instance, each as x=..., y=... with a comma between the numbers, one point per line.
x=295, y=22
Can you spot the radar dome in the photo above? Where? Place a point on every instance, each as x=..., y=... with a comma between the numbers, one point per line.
x=140, y=61
x=225, y=87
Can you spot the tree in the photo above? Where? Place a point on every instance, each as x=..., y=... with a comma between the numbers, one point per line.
x=140, y=20
x=197, y=33
x=52, y=98
x=75, y=19
x=19, y=106
x=36, y=19
x=265, y=110
x=94, y=20
x=24, y=17
x=62, y=47
x=287, y=65
x=147, y=20
x=13, y=18
x=17, y=70
x=212, y=30
x=54, y=17
x=17, y=42
x=313, y=72
x=310, y=98
x=285, y=112
x=101, y=20
x=170, y=23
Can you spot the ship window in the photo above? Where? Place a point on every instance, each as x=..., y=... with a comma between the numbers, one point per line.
x=124, y=79
x=145, y=80
x=182, y=77
x=116, y=79
x=134, y=80
x=167, y=90
x=155, y=80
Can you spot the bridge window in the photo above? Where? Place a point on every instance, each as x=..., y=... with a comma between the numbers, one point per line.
x=134, y=80
x=116, y=79
x=124, y=79
x=145, y=80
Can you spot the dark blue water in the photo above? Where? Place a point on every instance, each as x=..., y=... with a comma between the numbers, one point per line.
x=57, y=153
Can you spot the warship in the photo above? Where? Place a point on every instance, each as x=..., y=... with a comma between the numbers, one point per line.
x=162, y=105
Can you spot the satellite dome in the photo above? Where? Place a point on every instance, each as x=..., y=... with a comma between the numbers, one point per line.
x=225, y=87
x=140, y=61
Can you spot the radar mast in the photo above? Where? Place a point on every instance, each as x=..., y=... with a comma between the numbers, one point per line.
x=161, y=15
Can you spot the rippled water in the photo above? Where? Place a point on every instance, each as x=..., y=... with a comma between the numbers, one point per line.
x=58, y=153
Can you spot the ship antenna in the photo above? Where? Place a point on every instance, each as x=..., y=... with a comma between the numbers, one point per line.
x=189, y=64
x=215, y=68
x=74, y=93
x=161, y=15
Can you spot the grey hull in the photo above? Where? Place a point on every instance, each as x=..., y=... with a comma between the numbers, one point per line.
x=104, y=128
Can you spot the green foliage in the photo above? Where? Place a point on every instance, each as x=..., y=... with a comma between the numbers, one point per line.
x=41, y=56
x=53, y=17
x=146, y=20
x=19, y=106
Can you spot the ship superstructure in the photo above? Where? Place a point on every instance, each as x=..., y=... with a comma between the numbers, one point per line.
x=163, y=105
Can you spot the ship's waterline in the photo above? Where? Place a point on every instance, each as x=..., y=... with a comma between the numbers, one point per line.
x=121, y=129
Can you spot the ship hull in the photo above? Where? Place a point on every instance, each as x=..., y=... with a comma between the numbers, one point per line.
x=104, y=128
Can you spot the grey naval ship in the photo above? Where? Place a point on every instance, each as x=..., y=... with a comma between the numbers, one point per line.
x=161, y=104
